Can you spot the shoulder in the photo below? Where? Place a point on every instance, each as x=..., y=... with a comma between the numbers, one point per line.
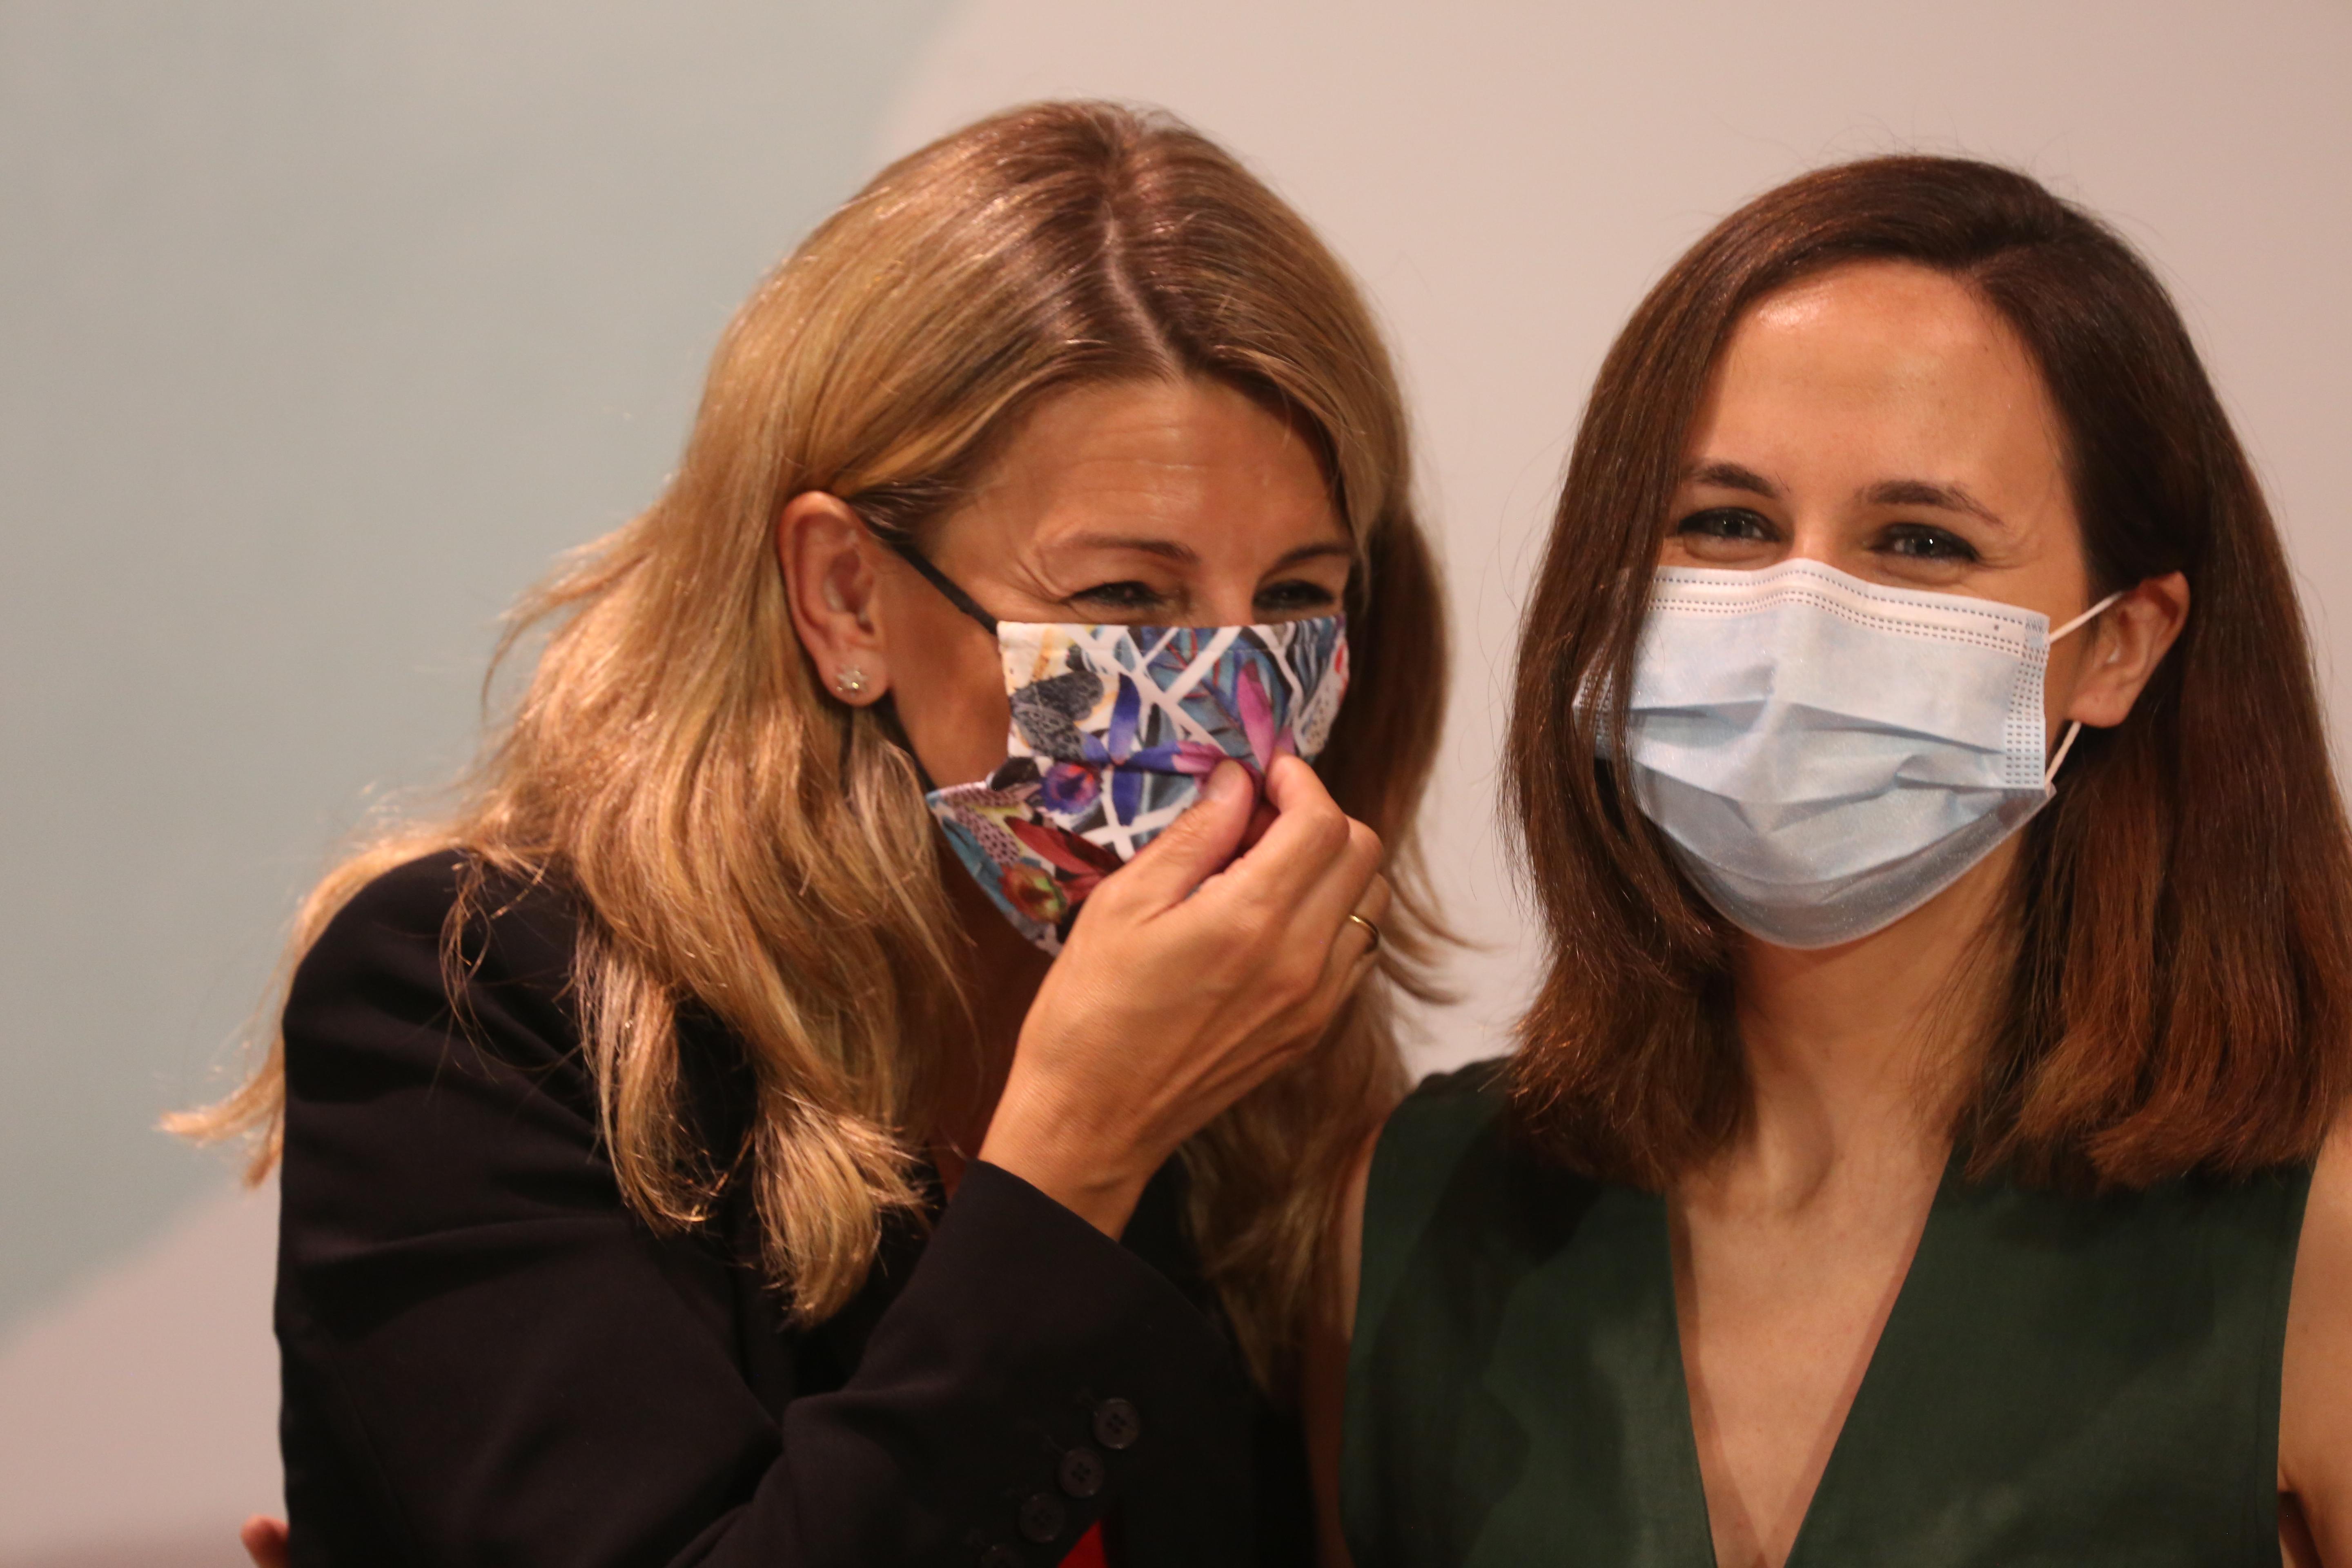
x=2323, y=1262
x=381, y=981
x=516, y=927
x=1420, y=1154
x=2316, y=1414
x=1456, y=1167
x=1437, y=1122
x=431, y=1090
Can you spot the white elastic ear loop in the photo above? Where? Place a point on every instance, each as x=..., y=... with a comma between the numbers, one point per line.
x=2089, y=614
x=2076, y=728
x=2051, y=774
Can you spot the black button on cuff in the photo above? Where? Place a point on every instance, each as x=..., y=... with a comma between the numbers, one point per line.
x=1118, y=1423
x=1083, y=1472
x=1042, y=1517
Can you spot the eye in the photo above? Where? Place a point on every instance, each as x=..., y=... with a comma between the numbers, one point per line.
x=1129, y=597
x=1294, y=597
x=1726, y=523
x=1924, y=542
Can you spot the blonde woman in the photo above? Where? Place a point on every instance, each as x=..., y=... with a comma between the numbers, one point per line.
x=810, y=1105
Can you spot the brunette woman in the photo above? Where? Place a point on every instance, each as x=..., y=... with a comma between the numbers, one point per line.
x=1927, y=1144
x=694, y=1149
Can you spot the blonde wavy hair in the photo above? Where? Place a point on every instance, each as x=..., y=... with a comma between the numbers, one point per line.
x=740, y=842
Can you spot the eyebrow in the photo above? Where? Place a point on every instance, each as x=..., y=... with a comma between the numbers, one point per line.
x=1887, y=492
x=1316, y=552
x=1731, y=476
x=1183, y=554
x=1166, y=549
x=1920, y=492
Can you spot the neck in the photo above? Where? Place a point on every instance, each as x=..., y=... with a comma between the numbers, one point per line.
x=1857, y=1055
x=1003, y=973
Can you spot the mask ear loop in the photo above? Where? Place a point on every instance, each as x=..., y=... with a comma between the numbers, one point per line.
x=948, y=586
x=885, y=711
x=2074, y=727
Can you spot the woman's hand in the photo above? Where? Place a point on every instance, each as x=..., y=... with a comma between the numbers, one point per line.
x=264, y=1540
x=1184, y=986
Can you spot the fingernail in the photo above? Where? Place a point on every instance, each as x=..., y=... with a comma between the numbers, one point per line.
x=1226, y=781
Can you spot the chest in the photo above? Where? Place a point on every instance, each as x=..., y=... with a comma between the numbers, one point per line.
x=2045, y=1381
x=1778, y=1319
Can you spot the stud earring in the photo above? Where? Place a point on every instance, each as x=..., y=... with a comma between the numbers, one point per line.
x=849, y=680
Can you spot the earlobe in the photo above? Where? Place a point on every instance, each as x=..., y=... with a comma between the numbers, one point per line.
x=829, y=588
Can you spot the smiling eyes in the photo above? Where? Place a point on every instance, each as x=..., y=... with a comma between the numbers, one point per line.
x=1726, y=523
x=1729, y=527
x=1290, y=599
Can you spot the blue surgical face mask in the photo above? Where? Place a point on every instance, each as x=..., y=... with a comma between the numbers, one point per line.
x=1115, y=729
x=1825, y=755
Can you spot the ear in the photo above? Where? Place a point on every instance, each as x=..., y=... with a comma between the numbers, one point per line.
x=829, y=582
x=2127, y=644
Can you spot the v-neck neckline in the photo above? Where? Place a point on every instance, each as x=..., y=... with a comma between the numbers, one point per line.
x=1831, y=1466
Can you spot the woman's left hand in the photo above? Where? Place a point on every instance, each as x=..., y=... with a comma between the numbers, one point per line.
x=264, y=1540
x=1192, y=977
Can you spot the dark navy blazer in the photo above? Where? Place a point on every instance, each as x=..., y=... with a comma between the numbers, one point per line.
x=488, y=1358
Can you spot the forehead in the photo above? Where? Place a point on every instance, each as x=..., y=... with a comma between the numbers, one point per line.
x=1195, y=458
x=1881, y=362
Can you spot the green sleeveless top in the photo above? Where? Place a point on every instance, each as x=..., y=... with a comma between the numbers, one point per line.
x=2063, y=1380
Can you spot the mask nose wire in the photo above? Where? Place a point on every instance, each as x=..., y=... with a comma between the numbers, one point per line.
x=2075, y=728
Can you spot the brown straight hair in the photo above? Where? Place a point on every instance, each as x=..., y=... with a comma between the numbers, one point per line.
x=2178, y=944
x=742, y=843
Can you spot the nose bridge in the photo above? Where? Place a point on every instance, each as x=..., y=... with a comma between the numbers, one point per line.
x=1224, y=593
x=1817, y=533
x=1226, y=604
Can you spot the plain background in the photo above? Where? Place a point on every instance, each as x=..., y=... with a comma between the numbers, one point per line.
x=323, y=329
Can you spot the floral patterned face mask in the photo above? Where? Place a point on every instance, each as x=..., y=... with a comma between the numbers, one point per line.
x=1114, y=730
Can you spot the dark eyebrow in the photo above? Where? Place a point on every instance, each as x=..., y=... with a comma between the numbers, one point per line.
x=1920, y=492
x=1731, y=476
x=1889, y=492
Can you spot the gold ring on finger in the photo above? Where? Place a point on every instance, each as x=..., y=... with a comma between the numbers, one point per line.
x=1370, y=930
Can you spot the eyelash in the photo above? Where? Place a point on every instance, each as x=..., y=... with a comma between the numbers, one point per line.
x=1130, y=595
x=1699, y=521
x=1941, y=545
x=1944, y=545
x=1294, y=594
x=1121, y=595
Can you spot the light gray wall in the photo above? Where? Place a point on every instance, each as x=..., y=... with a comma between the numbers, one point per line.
x=322, y=328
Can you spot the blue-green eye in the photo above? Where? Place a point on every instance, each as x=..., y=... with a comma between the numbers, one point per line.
x=1726, y=523
x=1924, y=542
x=1122, y=597
x=1294, y=597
